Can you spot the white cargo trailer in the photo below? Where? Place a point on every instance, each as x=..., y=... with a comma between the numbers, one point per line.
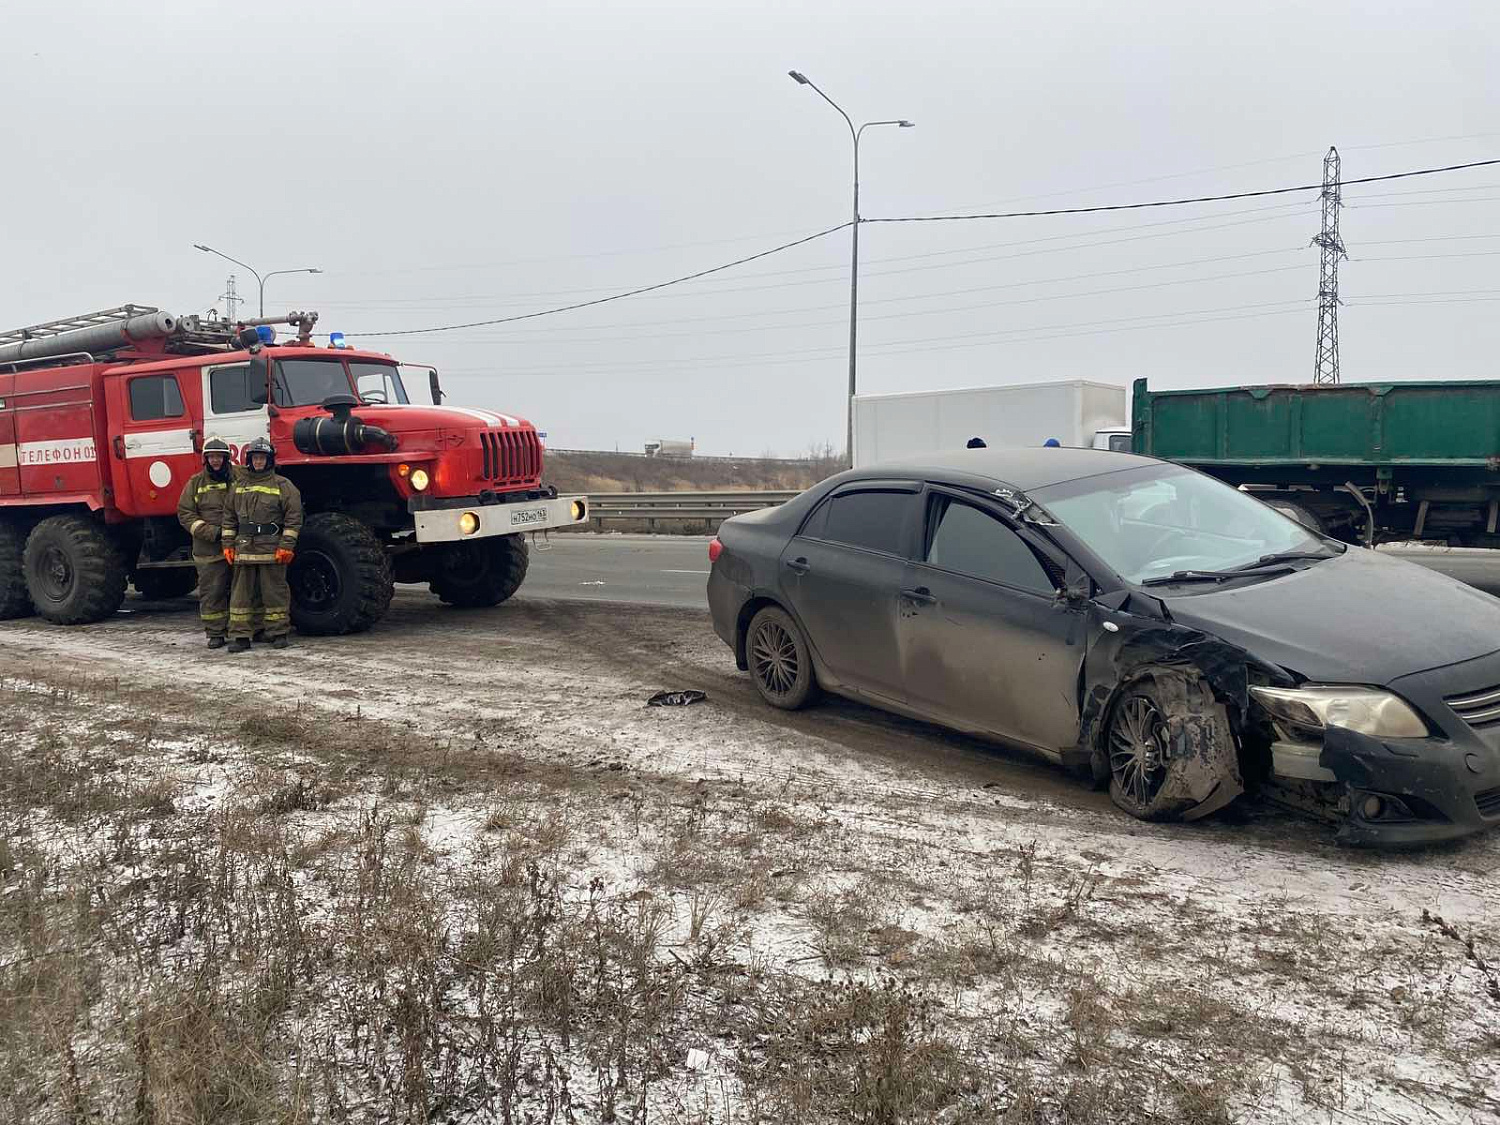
x=1077, y=412
x=670, y=447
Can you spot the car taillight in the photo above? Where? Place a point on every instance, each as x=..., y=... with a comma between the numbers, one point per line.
x=715, y=549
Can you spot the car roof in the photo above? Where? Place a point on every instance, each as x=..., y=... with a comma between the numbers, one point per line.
x=1020, y=468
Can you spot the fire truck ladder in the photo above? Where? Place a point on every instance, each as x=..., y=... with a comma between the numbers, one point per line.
x=69, y=323
x=109, y=330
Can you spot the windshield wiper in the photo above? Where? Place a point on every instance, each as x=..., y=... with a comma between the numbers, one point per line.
x=1285, y=557
x=1189, y=576
x=1210, y=575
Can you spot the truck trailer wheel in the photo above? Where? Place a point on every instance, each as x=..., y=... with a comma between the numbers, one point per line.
x=15, y=601
x=340, y=576
x=483, y=572
x=75, y=571
x=162, y=582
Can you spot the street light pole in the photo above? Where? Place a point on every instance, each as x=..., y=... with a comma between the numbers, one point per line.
x=259, y=279
x=274, y=273
x=854, y=135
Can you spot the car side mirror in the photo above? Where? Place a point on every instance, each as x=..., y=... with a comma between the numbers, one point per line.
x=258, y=379
x=1078, y=587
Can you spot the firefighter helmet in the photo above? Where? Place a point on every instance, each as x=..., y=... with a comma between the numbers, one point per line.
x=221, y=447
x=261, y=445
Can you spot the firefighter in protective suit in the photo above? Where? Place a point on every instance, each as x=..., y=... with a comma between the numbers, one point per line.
x=200, y=510
x=261, y=525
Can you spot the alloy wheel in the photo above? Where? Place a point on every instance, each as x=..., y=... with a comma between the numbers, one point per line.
x=773, y=655
x=1137, y=749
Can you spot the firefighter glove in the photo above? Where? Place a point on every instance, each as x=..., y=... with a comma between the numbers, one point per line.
x=229, y=555
x=283, y=556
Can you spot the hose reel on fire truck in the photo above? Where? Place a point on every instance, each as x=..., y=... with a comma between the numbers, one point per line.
x=341, y=434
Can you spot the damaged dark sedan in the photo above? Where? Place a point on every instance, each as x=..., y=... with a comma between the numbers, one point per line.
x=1136, y=621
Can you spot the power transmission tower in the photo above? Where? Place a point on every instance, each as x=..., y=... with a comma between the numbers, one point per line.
x=1326, y=369
x=231, y=300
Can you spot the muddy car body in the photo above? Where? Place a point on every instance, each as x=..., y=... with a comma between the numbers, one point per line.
x=1135, y=621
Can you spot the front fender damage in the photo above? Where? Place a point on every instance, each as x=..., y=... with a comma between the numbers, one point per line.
x=1197, y=678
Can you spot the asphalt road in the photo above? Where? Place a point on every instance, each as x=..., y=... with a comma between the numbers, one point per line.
x=672, y=570
x=666, y=570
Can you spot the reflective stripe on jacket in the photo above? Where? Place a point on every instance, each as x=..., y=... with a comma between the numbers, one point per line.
x=200, y=510
x=264, y=514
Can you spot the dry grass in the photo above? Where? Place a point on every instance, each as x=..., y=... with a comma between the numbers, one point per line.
x=317, y=943
x=609, y=472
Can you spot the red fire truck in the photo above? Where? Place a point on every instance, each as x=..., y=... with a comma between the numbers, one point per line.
x=103, y=419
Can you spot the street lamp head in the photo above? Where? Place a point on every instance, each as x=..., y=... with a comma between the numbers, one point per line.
x=801, y=79
x=907, y=124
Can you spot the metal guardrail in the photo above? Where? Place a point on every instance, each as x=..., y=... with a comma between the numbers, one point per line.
x=682, y=505
x=672, y=457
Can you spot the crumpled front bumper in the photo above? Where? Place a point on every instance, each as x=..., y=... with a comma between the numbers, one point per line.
x=1450, y=785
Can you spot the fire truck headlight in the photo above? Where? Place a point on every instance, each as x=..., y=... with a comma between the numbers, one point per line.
x=468, y=523
x=419, y=479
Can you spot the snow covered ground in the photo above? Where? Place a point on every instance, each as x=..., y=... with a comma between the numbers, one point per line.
x=457, y=869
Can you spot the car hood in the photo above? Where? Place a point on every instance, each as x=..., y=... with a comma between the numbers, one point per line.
x=1362, y=618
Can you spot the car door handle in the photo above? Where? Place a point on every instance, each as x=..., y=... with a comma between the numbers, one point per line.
x=799, y=565
x=921, y=595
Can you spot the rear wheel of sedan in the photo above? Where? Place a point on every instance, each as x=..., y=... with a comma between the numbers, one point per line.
x=1172, y=753
x=779, y=660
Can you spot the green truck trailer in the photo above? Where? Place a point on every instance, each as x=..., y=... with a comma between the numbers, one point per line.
x=1366, y=462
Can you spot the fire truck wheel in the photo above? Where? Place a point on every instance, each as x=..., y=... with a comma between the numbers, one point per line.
x=75, y=571
x=480, y=573
x=340, y=577
x=15, y=601
x=161, y=583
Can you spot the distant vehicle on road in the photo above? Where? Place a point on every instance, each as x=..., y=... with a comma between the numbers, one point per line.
x=670, y=447
x=1077, y=412
x=1364, y=462
x=1135, y=620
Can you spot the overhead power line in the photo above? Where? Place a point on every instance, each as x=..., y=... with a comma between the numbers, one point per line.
x=614, y=296
x=916, y=219
x=1184, y=201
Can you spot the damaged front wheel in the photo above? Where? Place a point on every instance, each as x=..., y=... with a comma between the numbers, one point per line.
x=1171, y=750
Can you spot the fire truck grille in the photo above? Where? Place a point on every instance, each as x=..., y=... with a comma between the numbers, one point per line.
x=511, y=457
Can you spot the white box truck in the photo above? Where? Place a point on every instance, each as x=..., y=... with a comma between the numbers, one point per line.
x=1077, y=412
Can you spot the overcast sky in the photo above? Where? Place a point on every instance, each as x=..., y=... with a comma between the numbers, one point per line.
x=446, y=162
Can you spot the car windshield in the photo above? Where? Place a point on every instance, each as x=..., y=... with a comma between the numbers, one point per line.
x=307, y=382
x=1152, y=523
x=378, y=382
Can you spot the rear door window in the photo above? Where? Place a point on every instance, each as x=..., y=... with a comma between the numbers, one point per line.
x=153, y=397
x=875, y=520
x=971, y=542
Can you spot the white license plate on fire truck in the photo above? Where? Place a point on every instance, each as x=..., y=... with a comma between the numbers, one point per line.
x=524, y=517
